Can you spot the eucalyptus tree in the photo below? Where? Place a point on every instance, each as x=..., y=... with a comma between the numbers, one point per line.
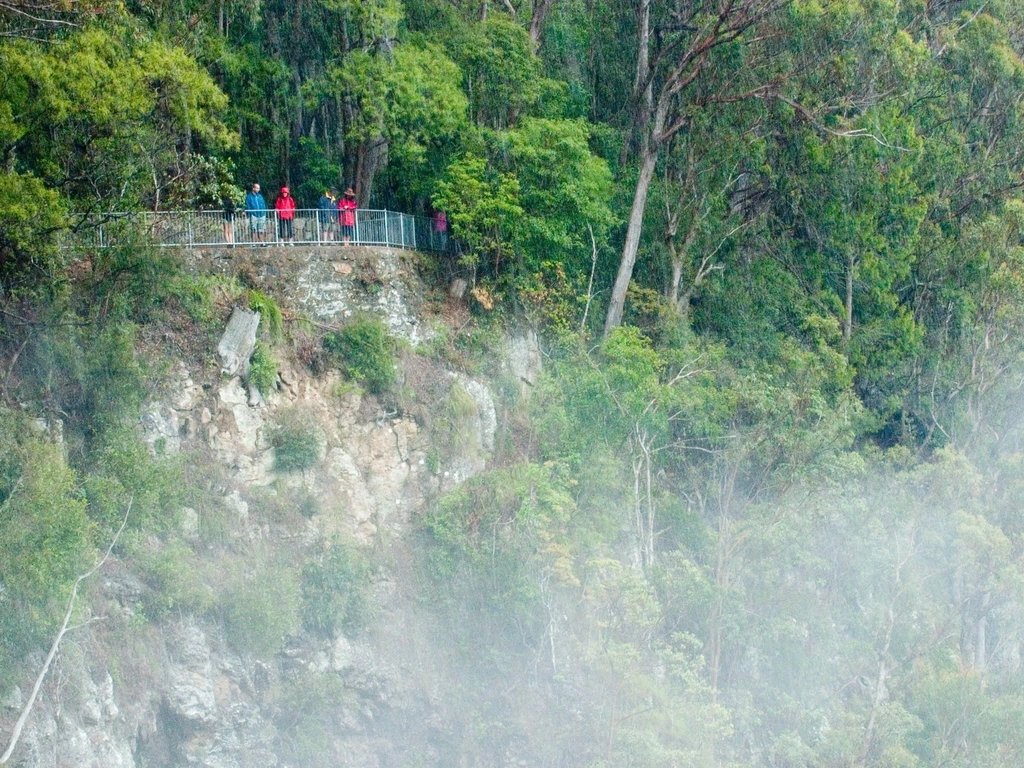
x=678, y=48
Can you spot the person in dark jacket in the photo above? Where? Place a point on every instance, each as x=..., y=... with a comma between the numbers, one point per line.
x=228, y=205
x=256, y=210
x=326, y=207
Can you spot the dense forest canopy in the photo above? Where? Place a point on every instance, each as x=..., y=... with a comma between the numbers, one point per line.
x=772, y=170
x=770, y=479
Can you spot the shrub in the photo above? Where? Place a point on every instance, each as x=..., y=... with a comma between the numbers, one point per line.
x=173, y=573
x=44, y=540
x=270, y=313
x=308, y=716
x=262, y=369
x=461, y=414
x=334, y=591
x=113, y=380
x=297, y=441
x=196, y=295
x=122, y=469
x=261, y=609
x=364, y=351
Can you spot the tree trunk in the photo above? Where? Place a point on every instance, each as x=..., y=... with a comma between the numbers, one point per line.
x=643, y=88
x=371, y=156
x=681, y=299
x=980, y=649
x=848, y=319
x=540, y=12
x=636, y=220
x=677, y=278
x=660, y=119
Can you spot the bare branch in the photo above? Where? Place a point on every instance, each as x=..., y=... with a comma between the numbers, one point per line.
x=855, y=133
x=10, y=8
x=20, y=724
x=590, y=285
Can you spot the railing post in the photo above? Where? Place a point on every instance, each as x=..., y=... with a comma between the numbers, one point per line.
x=412, y=222
x=387, y=229
x=189, y=230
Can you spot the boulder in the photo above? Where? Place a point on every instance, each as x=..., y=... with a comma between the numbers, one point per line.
x=238, y=342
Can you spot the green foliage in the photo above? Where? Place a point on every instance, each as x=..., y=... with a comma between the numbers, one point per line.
x=795, y=466
x=309, y=704
x=412, y=99
x=537, y=191
x=103, y=115
x=174, y=574
x=121, y=469
x=30, y=214
x=499, y=537
x=297, y=440
x=554, y=302
x=195, y=294
x=482, y=206
x=263, y=369
x=211, y=182
x=565, y=190
x=505, y=74
x=45, y=539
x=458, y=425
x=335, y=591
x=261, y=606
x=113, y=377
x=363, y=350
x=135, y=282
x=270, y=313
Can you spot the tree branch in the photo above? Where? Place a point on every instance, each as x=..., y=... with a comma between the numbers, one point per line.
x=20, y=724
x=855, y=133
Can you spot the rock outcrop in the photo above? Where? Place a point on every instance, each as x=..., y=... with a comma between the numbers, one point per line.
x=187, y=698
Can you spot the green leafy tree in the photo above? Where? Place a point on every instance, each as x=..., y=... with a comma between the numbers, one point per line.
x=402, y=102
x=482, y=206
x=565, y=192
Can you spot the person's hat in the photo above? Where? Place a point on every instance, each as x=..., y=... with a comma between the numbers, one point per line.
x=350, y=192
x=284, y=190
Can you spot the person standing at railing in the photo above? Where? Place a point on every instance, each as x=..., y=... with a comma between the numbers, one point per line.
x=229, y=219
x=441, y=230
x=285, y=207
x=326, y=215
x=256, y=210
x=347, y=213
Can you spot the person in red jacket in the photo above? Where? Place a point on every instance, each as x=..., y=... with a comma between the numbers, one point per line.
x=285, y=207
x=347, y=208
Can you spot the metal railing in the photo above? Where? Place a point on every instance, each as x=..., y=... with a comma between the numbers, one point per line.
x=310, y=226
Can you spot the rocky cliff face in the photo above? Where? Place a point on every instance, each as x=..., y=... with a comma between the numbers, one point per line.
x=175, y=692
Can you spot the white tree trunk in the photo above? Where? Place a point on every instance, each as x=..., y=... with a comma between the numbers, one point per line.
x=636, y=220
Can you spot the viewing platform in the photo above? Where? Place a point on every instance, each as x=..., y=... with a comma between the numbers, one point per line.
x=311, y=226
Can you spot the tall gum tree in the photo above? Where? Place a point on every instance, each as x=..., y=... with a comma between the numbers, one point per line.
x=676, y=47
